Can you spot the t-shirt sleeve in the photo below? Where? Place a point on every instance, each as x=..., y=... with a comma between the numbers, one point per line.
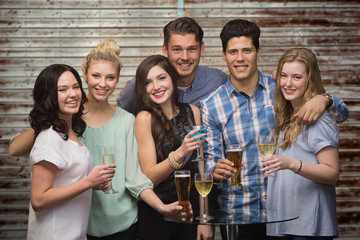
x=47, y=147
x=323, y=133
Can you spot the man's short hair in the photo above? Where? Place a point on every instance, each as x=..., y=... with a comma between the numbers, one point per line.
x=240, y=28
x=182, y=26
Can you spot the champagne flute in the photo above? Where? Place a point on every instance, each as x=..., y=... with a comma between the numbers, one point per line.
x=202, y=130
x=203, y=184
x=266, y=145
x=108, y=157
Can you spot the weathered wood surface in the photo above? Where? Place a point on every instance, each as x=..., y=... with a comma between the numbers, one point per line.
x=36, y=33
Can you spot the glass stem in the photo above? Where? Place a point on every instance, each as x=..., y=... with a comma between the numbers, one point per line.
x=204, y=207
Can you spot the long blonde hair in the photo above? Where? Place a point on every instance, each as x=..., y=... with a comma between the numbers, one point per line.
x=108, y=50
x=283, y=109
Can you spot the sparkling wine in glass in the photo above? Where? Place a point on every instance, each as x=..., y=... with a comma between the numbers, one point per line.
x=266, y=145
x=203, y=184
x=108, y=157
x=202, y=130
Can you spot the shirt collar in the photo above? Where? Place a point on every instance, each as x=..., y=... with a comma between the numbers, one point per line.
x=230, y=88
x=261, y=80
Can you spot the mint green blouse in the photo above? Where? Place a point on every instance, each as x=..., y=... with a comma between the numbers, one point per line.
x=112, y=213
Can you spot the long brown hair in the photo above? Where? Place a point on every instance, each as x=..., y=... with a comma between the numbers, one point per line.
x=283, y=109
x=161, y=126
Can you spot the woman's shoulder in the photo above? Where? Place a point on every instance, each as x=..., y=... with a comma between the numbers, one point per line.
x=143, y=116
x=48, y=139
x=48, y=135
x=324, y=132
x=326, y=119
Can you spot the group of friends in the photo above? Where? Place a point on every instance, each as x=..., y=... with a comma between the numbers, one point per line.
x=149, y=131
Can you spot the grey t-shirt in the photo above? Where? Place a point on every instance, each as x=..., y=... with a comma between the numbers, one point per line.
x=314, y=202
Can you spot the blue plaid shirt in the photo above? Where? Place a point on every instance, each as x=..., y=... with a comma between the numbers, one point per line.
x=233, y=117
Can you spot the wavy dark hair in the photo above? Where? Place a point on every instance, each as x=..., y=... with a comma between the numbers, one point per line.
x=45, y=112
x=161, y=126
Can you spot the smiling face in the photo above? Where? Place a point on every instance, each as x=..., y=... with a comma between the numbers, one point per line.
x=184, y=52
x=294, y=82
x=101, y=77
x=241, y=58
x=69, y=95
x=159, y=86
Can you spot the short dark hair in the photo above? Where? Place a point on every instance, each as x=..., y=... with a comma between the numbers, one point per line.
x=182, y=26
x=240, y=28
x=46, y=106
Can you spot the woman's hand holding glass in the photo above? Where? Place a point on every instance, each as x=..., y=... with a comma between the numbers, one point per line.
x=190, y=143
x=279, y=162
x=172, y=210
x=266, y=146
x=198, y=132
x=100, y=176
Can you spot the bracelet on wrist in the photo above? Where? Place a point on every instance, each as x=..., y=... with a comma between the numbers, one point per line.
x=299, y=169
x=173, y=162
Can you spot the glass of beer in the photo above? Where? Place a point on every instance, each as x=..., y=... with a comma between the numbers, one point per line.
x=266, y=145
x=203, y=184
x=182, y=184
x=234, y=154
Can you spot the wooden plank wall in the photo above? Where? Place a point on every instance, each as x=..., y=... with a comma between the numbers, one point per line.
x=36, y=33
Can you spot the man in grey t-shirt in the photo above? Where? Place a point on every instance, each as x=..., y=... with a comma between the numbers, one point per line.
x=183, y=46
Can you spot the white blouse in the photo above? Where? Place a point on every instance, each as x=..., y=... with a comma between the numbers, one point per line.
x=68, y=220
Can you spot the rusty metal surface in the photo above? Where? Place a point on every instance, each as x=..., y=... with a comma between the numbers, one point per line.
x=35, y=33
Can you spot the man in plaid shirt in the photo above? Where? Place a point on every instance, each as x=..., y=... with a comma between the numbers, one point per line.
x=240, y=110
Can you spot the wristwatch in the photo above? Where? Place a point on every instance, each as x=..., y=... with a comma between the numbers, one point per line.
x=330, y=98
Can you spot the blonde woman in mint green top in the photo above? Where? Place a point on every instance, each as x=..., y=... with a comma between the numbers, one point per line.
x=114, y=215
x=120, y=209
